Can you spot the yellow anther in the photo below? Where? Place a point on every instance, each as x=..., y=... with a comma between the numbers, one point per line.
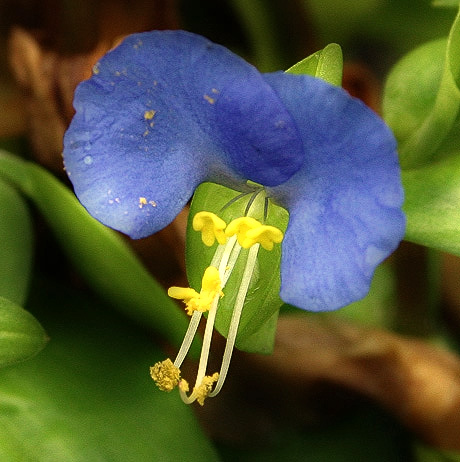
x=211, y=227
x=265, y=235
x=240, y=227
x=194, y=301
x=202, y=391
x=165, y=374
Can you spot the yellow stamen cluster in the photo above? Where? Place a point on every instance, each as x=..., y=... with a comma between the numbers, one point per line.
x=248, y=231
x=194, y=301
x=165, y=374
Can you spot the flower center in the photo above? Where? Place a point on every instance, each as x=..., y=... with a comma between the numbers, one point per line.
x=243, y=232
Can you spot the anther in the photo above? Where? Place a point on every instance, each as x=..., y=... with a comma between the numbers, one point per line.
x=165, y=374
x=264, y=235
x=194, y=301
x=240, y=227
x=211, y=227
x=204, y=389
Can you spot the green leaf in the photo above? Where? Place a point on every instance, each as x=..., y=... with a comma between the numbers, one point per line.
x=432, y=205
x=377, y=308
x=88, y=396
x=326, y=64
x=99, y=253
x=262, y=302
x=427, y=454
x=411, y=88
x=260, y=26
x=434, y=116
x=445, y=3
x=16, y=245
x=21, y=335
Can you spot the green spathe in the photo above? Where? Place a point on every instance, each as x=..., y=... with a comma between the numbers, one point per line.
x=258, y=321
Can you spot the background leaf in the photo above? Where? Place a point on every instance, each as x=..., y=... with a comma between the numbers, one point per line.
x=445, y=3
x=88, y=396
x=429, y=454
x=99, y=253
x=411, y=88
x=432, y=205
x=21, y=335
x=16, y=245
x=421, y=143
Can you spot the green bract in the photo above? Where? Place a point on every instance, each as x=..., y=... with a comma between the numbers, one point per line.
x=326, y=64
x=258, y=321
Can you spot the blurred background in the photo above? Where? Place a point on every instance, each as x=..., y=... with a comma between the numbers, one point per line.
x=366, y=383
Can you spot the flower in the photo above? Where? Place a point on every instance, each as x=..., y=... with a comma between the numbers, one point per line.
x=167, y=111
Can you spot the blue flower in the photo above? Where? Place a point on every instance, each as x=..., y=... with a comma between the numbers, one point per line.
x=166, y=111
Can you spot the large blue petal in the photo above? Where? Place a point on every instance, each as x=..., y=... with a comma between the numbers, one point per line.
x=344, y=202
x=163, y=112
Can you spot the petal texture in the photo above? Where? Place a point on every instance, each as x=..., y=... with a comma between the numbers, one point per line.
x=344, y=202
x=163, y=112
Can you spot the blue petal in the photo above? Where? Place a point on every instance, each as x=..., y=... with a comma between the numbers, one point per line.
x=164, y=112
x=344, y=202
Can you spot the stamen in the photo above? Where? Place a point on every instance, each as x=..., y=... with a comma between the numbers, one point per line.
x=265, y=235
x=240, y=227
x=188, y=338
x=236, y=315
x=211, y=227
x=194, y=301
x=204, y=389
x=249, y=233
x=165, y=374
x=229, y=256
x=200, y=392
x=206, y=342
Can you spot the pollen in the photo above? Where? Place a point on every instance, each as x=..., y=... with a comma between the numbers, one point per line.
x=183, y=386
x=142, y=202
x=209, y=99
x=166, y=375
x=194, y=301
x=202, y=391
x=149, y=115
x=265, y=235
x=211, y=227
